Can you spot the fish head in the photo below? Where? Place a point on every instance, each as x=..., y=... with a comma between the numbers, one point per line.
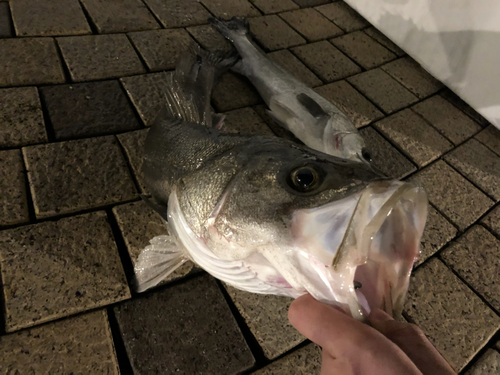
x=347, y=145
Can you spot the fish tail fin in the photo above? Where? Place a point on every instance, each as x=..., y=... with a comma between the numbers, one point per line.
x=231, y=28
x=156, y=261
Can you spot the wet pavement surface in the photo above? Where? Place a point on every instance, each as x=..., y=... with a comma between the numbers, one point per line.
x=81, y=81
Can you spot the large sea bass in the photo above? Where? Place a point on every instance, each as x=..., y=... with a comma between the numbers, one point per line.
x=269, y=216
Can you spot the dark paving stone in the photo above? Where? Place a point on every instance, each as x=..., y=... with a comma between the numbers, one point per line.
x=99, y=57
x=234, y=91
x=55, y=269
x=29, y=61
x=245, y=121
x=194, y=327
x=383, y=90
x=452, y=194
x=274, y=6
x=412, y=76
x=414, y=136
x=385, y=157
x=21, y=117
x=179, y=13
x=306, y=360
x=385, y=41
x=88, y=109
x=447, y=118
x=76, y=175
x=326, y=61
x=13, y=202
x=45, y=18
x=294, y=66
x=273, y=33
x=363, y=49
x=310, y=3
x=311, y=24
x=490, y=137
x=6, y=29
x=473, y=256
x=343, y=16
x=492, y=220
x=231, y=8
x=488, y=364
x=455, y=320
x=209, y=38
x=78, y=345
x=267, y=318
x=161, y=49
x=464, y=107
x=354, y=105
x=133, y=144
x=479, y=164
x=115, y=16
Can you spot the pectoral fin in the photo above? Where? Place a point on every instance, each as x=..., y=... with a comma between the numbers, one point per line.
x=311, y=106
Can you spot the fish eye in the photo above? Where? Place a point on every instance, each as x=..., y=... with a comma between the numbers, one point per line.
x=304, y=179
x=366, y=155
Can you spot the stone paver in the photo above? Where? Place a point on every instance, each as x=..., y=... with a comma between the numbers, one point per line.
x=385, y=157
x=463, y=106
x=76, y=175
x=29, y=61
x=273, y=33
x=492, y=220
x=363, y=49
x=99, y=57
x=479, y=164
x=385, y=41
x=383, y=90
x=448, y=119
x=78, y=345
x=452, y=194
x=234, y=91
x=274, y=6
x=13, y=202
x=354, y=105
x=231, y=8
x=326, y=61
x=311, y=24
x=245, y=121
x=295, y=67
x=6, y=29
x=343, y=16
x=21, y=117
x=473, y=256
x=186, y=329
x=48, y=18
x=456, y=321
x=115, y=16
x=306, y=360
x=133, y=145
x=55, y=269
x=490, y=137
x=412, y=76
x=267, y=318
x=209, y=38
x=161, y=49
x=88, y=109
x=415, y=137
x=488, y=364
x=179, y=13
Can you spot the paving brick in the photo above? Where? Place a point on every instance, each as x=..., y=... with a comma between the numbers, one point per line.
x=273, y=33
x=161, y=49
x=295, y=67
x=326, y=61
x=29, y=61
x=415, y=137
x=488, y=364
x=463, y=106
x=245, y=121
x=385, y=41
x=455, y=320
x=354, y=105
x=490, y=137
x=115, y=16
x=194, y=325
x=76, y=175
x=274, y=6
x=267, y=318
x=385, y=157
x=310, y=3
x=21, y=118
x=311, y=24
x=306, y=360
x=231, y=8
x=234, y=91
x=383, y=90
x=492, y=220
x=6, y=29
x=99, y=57
x=13, y=202
x=55, y=269
x=45, y=18
x=209, y=38
x=447, y=118
x=78, y=345
x=343, y=16
x=452, y=194
x=412, y=76
x=133, y=144
x=179, y=13
x=478, y=164
x=88, y=109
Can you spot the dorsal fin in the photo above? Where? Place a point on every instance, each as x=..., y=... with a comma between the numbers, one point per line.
x=311, y=106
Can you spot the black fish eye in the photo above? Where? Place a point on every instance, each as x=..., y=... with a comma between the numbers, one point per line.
x=304, y=179
x=366, y=155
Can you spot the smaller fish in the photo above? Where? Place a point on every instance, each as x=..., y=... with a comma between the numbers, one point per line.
x=310, y=117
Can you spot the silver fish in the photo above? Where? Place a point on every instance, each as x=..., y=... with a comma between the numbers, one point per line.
x=266, y=215
x=310, y=117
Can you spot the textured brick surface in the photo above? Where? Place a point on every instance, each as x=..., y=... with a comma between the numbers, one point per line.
x=245, y=121
x=488, y=364
x=209, y=38
x=77, y=175
x=490, y=137
x=273, y=33
x=295, y=67
x=492, y=220
x=343, y=16
x=231, y=8
x=311, y=24
x=133, y=145
x=234, y=91
x=274, y=6
x=185, y=329
x=99, y=57
x=56, y=269
x=178, y=13
x=77, y=345
x=13, y=202
x=21, y=118
x=6, y=29
x=306, y=360
x=385, y=41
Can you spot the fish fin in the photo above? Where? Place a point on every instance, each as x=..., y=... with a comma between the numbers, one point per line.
x=311, y=106
x=280, y=112
x=218, y=120
x=239, y=68
x=156, y=261
x=159, y=208
x=231, y=28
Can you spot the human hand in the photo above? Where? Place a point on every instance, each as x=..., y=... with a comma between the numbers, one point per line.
x=354, y=348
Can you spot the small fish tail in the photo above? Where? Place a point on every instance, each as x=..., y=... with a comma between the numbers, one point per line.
x=231, y=28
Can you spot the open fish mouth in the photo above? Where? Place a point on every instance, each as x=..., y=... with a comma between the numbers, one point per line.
x=359, y=251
